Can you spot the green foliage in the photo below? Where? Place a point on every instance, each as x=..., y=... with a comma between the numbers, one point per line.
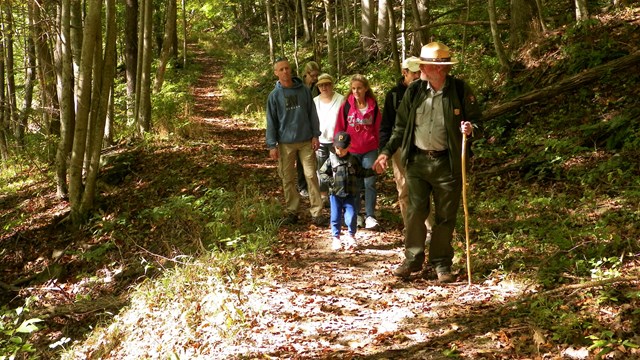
x=16, y=330
x=607, y=342
x=219, y=219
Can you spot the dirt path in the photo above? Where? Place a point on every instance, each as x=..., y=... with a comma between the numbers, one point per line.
x=328, y=304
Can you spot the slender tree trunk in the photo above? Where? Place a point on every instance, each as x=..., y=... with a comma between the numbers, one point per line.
x=11, y=98
x=331, y=50
x=76, y=39
x=305, y=21
x=45, y=71
x=267, y=5
x=145, y=55
x=394, y=37
x=29, y=80
x=383, y=26
x=131, y=54
x=417, y=39
x=184, y=33
x=107, y=139
x=539, y=6
x=103, y=75
x=4, y=146
x=91, y=28
x=169, y=30
x=497, y=43
x=64, y=74
x=279, y=29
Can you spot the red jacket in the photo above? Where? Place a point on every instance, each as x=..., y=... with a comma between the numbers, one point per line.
x=363, y=129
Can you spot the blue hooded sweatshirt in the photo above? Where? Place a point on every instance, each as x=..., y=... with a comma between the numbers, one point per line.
x=291, y=115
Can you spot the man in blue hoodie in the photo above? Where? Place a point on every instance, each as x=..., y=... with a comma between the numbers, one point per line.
x=293, y=129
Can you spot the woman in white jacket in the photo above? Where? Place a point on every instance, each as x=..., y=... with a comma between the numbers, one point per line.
x=327, y=106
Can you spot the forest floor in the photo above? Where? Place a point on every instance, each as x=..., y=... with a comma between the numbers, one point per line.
x=321, y=304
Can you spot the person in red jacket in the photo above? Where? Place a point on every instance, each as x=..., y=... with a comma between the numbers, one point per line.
x=360, y=117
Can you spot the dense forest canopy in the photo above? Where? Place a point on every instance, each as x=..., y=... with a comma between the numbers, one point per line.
x=107, y=180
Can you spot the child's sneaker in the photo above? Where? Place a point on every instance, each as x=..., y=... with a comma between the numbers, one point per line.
x=336, y=244
x=349, y=242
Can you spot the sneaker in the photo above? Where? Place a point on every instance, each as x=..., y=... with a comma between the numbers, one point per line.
x=290, y=219
x=349, y=242
x=304, y=193
x=370, y=223
x=336, y=244
x=405, y=270
x=445, y=276
x=320, y=221
x=360, y=221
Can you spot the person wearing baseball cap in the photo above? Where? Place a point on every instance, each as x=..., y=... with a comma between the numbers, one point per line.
x=431, y=118
x=343, y=173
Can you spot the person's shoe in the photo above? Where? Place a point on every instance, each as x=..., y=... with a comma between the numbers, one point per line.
x=304, y=193
x=370, y=223
x=325, y=202
x=360, y=221
x=405, y=270
x=349, y=242
x=428, y=273
x=320, y=221
x=445, y=276
x=336, y=244
x=290, y=219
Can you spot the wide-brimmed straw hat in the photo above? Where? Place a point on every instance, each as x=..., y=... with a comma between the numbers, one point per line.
x=411, y=63
x=324, y=79
x=437, y=54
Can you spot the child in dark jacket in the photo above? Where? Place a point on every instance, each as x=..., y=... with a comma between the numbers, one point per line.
x=340, y=172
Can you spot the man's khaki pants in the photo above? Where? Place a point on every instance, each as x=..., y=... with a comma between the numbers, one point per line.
x=289, y=176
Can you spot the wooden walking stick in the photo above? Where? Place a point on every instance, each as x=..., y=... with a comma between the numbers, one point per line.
x=464, y=202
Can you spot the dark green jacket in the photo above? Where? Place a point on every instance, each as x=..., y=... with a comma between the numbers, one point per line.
x=456, y=109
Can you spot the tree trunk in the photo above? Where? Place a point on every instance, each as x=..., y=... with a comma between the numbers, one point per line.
x=11, y=98
x=29, y=80
x=76, y=39
x=184, y=33
x=279, y=29
x=566, y=85
x=305, y=21
x=394, y=36
x=524, y=22
x=366, y=32
x=103, y=75
x=4, y=146
x=145, y=55
x=46, y=72
x=331, y=48
x=131, y=54
x=169, y=30
x=582, y=12
x=417, y=40
x=497, y=43
x=383, y=26
x=90, y=31
x=267, y=5
x=64, y=83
